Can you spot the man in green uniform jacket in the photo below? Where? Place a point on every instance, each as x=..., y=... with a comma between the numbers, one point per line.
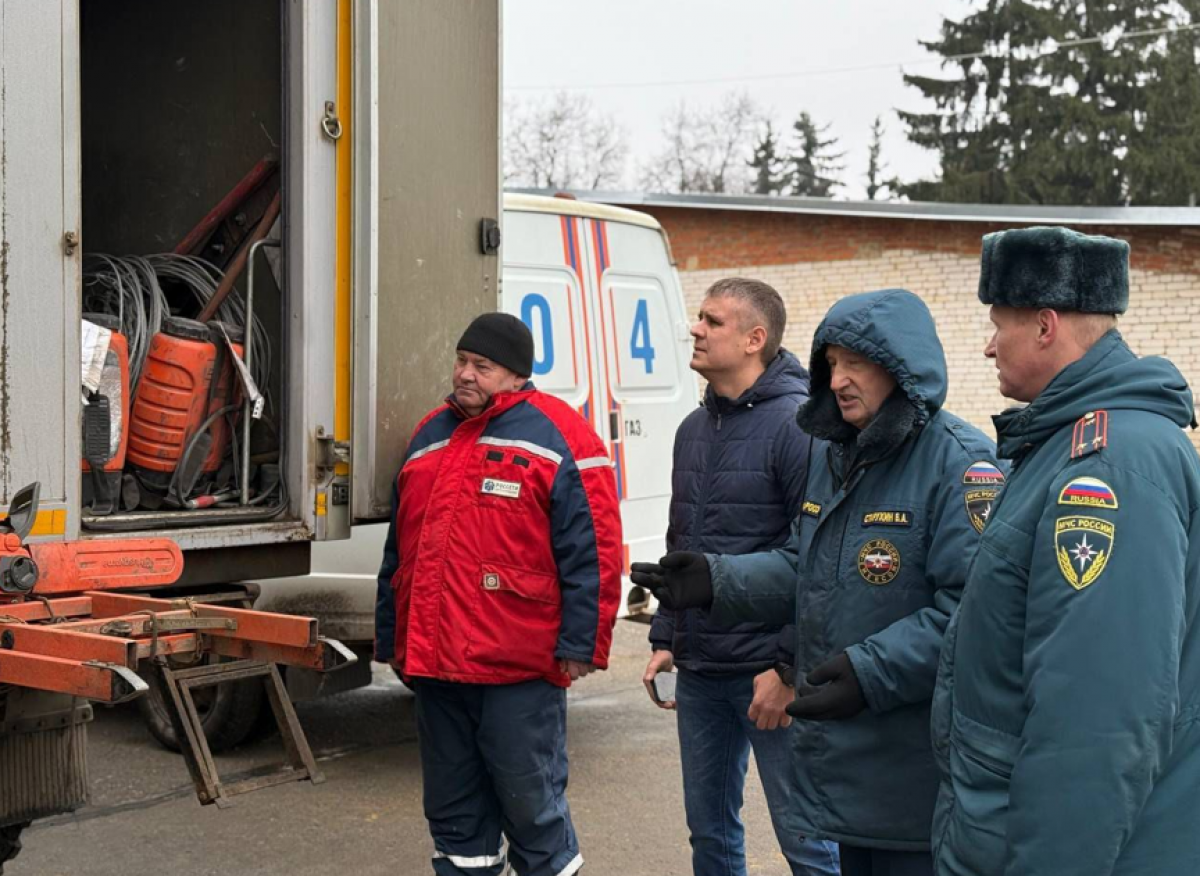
x=875, y=567
x=1067, y=715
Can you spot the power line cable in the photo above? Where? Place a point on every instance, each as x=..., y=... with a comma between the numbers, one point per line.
x=829, y=71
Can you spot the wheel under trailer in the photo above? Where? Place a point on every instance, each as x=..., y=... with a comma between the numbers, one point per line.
x=72, y=633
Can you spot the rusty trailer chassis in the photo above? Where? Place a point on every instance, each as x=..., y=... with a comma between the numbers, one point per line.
x=90, y=645
x=75, y=627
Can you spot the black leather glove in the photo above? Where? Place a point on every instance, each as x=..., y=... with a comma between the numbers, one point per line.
x=678, y=581
x=830, y=692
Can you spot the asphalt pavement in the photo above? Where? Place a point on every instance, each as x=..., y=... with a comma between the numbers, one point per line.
x=625, y=794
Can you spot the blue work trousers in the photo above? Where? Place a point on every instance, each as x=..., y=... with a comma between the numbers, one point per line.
x=715, y=740
x=494, y=764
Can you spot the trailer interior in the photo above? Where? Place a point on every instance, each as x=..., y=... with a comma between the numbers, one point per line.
x=182, y=153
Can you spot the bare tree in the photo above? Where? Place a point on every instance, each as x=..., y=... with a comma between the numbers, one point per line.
x=674, y=168
x=707, y=150
x=562, y=142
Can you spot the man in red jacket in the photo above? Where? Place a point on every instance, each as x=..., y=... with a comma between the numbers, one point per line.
x=499, y=587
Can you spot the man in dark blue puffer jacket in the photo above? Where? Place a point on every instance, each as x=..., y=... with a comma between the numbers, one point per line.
x=740, y=470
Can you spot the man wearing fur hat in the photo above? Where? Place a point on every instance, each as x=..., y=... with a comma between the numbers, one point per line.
x=1067, y=714
x=898, y=492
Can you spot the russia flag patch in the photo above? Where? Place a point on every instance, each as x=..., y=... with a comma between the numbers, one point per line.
x=1090, y=492
x=983, y=472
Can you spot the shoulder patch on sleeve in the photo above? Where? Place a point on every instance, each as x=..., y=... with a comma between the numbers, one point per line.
x=1092, y=492
x=1090, y=434
x=982, y=473
x=979, y=505
x=1082, y=546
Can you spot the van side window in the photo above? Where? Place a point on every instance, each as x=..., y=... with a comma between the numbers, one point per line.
x=548, y=300
x=641, y=334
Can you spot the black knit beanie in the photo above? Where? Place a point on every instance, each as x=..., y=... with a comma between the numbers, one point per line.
x=502, y=338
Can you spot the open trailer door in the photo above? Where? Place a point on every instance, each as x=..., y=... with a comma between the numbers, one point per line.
x=39, y=278
x=428, y=203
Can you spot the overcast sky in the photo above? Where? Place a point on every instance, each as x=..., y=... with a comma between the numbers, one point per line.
x=552, y=45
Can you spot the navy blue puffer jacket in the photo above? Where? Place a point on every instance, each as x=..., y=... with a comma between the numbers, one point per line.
x=740, y=469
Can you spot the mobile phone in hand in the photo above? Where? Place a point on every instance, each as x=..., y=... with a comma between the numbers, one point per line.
x=663, y=688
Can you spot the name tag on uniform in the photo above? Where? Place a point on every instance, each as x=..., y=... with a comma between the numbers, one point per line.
x=886, y=518
x=506, y=489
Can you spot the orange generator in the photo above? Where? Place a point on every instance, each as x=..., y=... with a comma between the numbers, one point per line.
x=185, y=403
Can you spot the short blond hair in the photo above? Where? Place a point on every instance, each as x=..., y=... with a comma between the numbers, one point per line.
x=1088, y=328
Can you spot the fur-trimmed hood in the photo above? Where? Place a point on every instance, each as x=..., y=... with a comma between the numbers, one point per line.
x=893, y=328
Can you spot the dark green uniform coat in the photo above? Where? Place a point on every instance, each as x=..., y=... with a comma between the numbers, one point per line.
x=1067, y=716
x=875, y=567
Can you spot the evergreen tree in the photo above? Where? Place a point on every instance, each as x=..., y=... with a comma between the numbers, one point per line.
x=1164, y=158
x=770, y=177
x=813, y=166
x=874, y=163
x=1064, y=105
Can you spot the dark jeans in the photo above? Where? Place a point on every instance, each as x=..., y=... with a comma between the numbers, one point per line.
x=715, y=740
x=881, y=862
x=494, y=762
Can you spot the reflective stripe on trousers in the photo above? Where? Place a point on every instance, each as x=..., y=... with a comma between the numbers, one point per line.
x=470, y=863
x=481, y=861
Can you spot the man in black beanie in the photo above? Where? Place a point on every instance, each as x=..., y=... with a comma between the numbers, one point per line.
x=499, y=587
x=493, y=339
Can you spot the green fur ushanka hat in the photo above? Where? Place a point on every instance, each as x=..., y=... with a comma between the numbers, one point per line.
x=1056, y=268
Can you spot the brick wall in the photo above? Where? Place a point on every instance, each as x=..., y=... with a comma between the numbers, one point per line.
x=814, y=260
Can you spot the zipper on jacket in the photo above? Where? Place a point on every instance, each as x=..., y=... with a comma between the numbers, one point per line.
x=696, y=535
x=695, y=538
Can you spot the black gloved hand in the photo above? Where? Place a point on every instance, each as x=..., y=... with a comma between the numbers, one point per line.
x=830, y=692
x=678, y=581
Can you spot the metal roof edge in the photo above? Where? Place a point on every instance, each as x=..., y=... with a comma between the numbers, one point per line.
x=918, y=210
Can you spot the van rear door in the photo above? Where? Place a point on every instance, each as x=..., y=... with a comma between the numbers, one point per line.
x=645, y=386
x=604, y=305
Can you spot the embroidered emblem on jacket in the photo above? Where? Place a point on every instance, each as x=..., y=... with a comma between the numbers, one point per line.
x=1088, y=491
x=879, y=561
x=1083, y=546
x=812, y=509
x=491, y=581
x=979, y=506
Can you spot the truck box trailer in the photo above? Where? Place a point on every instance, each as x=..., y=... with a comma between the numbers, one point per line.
x=355, y=142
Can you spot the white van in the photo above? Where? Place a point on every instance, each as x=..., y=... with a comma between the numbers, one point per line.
x=598, y=288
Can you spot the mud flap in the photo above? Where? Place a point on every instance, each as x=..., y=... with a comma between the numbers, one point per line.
x=10, y=842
